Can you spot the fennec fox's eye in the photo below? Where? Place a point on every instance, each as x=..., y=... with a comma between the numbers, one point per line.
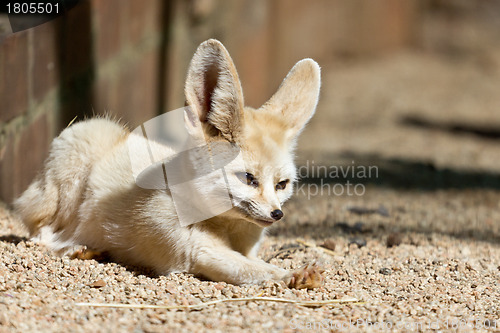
x=282, y=184
x=247, y=178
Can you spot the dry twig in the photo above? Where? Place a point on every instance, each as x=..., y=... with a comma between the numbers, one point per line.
x=310, y=304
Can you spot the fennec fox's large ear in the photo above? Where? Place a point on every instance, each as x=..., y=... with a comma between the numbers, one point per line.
x=213, y=90
x=297, y=96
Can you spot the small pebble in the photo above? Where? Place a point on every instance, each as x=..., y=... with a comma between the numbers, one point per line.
x=219, y=286
x=359, y=241
x=329, y=244
x=97, y=284
x=385, y=271
x=394, y=239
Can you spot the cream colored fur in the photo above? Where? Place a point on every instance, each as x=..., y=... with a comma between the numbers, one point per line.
x=86, y=194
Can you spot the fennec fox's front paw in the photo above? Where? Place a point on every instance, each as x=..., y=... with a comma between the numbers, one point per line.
x=307, y=277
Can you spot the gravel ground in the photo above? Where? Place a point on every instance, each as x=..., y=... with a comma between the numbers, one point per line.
x=420, y=249
x=442, y=269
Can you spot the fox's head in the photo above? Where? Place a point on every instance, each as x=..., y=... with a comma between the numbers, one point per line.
x=265, y=136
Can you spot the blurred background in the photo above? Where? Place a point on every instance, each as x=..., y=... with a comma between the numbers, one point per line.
x=409, y=86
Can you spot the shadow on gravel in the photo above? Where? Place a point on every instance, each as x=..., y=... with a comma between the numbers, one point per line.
x=397, y=174
x=376, y=232
x=394, y=173
x=484, y=132
x=13, y=239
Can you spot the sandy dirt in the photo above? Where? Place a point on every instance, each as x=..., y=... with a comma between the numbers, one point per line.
x=418, y=244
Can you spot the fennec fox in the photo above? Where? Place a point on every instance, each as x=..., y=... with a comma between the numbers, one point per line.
x=88, y=195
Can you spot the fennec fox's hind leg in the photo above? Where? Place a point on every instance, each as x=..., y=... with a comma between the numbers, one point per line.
x=89, y=254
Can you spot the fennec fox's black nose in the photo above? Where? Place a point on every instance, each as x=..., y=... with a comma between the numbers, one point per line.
x=277, y=214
